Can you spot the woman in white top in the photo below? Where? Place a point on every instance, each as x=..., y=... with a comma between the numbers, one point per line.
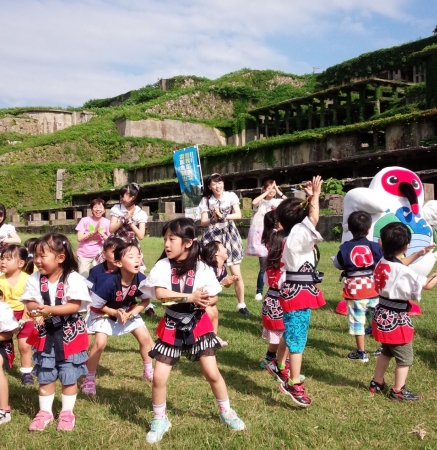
x=8, y=235
x=218, y=210
x=261, y=205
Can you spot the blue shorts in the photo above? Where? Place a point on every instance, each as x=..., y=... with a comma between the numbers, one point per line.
x=296, y=325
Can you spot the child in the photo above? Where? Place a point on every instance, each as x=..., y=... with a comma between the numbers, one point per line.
x=114, y=311
x=273, y=325
x=396, y=284
x=8, y=324
x=128, y=222
x=299, y=293
x=30, y=244
x=108, y=264
x=358, y=258
x=214, y=254
x=190, y=286
x=56, y=294
x=13, y=284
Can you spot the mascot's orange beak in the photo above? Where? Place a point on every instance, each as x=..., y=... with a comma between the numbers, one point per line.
x=409, y=192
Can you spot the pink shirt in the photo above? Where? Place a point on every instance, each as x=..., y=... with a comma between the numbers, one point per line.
x=89, y=248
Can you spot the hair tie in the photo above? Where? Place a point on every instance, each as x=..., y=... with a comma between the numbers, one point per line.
x=30, y=255
x=63, y=242
x=275, y=230
x=195, y=240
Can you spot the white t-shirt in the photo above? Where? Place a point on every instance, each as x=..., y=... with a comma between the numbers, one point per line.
x=7, y=320
x=299, y=246
x=75, y=288
x=268, y=205
x=5, y=230
x=139, y=216
x=160, y=276
x=227, y=200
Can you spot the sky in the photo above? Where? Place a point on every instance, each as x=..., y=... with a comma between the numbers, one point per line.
x=65, y=52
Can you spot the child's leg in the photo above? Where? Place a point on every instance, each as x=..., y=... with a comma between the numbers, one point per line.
x=46, y=395
x=382, y=364
x=210, y=371
x=25, y=355
x=238, y=285
x=143, y=337
x=401, y=374
x=96, y=351
x=4, y=388
x=359, y=340
x=295, y=367
x=282, y=352
x=212, y=312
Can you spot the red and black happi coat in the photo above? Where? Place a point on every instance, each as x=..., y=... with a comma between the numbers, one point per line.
x=271, y=308
x=391, y=322
x=7, y=353
x=182, y=324
x=67, y=334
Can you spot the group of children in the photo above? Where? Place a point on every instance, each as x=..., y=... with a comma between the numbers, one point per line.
x=188, y=279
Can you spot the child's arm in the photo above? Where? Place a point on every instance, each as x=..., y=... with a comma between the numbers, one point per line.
x=431, y=281
x=71, y=307
x=313, y=190
x=414, y=256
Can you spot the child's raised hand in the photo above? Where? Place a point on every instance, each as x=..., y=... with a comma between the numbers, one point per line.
x=314, y=187
x=427, y=249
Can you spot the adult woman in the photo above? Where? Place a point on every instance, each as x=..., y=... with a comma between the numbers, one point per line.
x=92, y=231
x=261, y=204
x=218, y=210
x=8, y=235
x=128, y=222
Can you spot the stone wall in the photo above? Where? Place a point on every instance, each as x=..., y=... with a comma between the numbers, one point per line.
x=19, y=125
x=171, y=130
x=50, y=121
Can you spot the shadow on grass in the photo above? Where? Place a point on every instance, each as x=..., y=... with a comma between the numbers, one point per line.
x=237, y=322
x=428, y=357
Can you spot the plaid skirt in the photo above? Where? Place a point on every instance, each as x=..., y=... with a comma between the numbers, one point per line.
x=229, y=237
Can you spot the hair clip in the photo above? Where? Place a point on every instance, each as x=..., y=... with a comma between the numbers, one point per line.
x=195, y=239
x=304, y=203
x=63, y=242
x=30, y=255
x=136, y=185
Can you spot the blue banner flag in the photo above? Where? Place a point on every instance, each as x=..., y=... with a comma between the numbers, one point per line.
x=187, y=168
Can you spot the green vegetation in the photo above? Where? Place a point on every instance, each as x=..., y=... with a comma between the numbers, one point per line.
x=343, y=414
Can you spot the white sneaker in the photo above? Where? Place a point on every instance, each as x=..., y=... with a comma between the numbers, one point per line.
x=5, y=416
x=258, y=297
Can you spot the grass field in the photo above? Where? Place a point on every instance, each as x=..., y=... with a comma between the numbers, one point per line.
x=343, y=414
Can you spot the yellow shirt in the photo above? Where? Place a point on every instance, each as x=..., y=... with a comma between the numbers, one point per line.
x=12, y=295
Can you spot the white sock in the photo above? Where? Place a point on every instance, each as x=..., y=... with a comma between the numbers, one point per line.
x=241, y=305
x=149, y=306
x=46, y=402
x=25, y=369
x=68, y=402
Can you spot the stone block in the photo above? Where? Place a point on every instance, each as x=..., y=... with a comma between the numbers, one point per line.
x=428, y=191
x=146, y=209
x=169, y=208
x=77, y=214
x=52, y=216
x=61, y=215
x=36, y=217
x=246, y=203
x=15, y=218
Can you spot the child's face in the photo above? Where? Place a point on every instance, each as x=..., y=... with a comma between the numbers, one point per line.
x=130, y=261
x=127, y=199
x=10, y=264
x=222, y=253
x=174, y=246
x=108, y=254
x=47, y=261
x=217, y=187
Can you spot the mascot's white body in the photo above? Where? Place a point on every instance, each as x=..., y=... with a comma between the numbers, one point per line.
x=396, y=195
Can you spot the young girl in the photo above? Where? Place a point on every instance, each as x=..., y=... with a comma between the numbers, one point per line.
x=8, y=324
x=218, y=211
x=299, y=293
x=8, y=235
x=13, y=284
x=188, y=286
x=55, y=294
x=215, y=256
x=128, y=222
x=261, y=205
x=114, y=311
x=30, y=245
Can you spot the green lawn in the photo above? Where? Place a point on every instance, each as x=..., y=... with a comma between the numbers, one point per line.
x=343, y=414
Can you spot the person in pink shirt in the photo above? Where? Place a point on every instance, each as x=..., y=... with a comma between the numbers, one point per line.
x=92, y=231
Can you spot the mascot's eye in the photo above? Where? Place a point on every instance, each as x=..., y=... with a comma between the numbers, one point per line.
x=415, y=184
x=392, y=180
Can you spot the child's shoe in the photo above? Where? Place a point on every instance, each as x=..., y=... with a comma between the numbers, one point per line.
x=157, y=429
x=5, y=416
x=27, y=379
x=273, y=369
x=296, y=392
x=231, y=419
x=147, y=374
x=258, y=297
x=404, y=394
x=376, y=388
x=41, y=420
x=66, y=421
x=358, y=356
x=377, y=352
x=89, y=386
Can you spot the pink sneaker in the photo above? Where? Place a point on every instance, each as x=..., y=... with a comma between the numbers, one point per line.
x=66, y=421
x=89, y=386
x=147, y=375
x=41, y=420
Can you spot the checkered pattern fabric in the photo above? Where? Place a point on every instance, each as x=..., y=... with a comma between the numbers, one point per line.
x=359, y=315
x=229, y=237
